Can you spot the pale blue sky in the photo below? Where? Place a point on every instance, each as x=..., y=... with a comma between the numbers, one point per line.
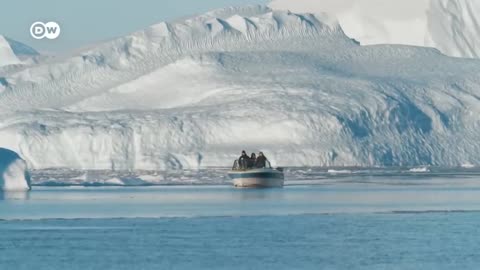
x=88, y=21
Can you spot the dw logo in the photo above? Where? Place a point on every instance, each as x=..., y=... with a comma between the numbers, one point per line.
x=40, y=30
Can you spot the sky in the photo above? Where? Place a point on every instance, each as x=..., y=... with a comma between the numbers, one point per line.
x=85, y=22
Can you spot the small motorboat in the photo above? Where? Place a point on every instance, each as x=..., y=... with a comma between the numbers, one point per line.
x=266, y=177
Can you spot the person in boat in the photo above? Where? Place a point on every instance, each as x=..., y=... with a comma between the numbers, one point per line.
x=243, y=160
x=261, y=161
x=252, y=160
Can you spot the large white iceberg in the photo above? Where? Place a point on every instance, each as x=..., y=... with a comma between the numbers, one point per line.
x=194, y=92
x=14, y=175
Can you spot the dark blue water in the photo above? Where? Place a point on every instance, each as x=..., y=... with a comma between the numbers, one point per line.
x=374, y=223
x=338, y=241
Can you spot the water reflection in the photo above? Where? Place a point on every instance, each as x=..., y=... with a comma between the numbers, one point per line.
x=14, y=195
x=258, y=194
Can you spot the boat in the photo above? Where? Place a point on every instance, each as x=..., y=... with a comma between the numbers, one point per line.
x=266, y=177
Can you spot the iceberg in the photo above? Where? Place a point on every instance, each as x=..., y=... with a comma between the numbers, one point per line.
x=419, y=170
x=14, y=175
x=191, y=93
x=7, y=56
x=452, y=26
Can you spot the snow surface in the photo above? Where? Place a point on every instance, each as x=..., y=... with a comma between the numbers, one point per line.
x=193, y=93
x=452, y=26
x=13, y=172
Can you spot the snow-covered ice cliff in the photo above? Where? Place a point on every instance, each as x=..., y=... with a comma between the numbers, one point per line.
x=7, y=56
x=193, y=93
x=14, y=56
x=13, y=172
x=452, y=26
x=13, y=52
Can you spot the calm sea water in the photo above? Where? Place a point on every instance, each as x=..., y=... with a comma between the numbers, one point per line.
x=372, y=223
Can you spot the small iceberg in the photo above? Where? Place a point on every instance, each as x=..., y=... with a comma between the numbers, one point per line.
x=467, y=166
x=332, y=171
x=14, y=175
x=420, y=170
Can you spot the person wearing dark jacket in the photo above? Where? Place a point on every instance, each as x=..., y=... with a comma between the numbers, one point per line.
x=261, y=161
x=243, y=160
x=253, y=159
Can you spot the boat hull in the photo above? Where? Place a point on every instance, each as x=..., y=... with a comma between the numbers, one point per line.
x=258, y=178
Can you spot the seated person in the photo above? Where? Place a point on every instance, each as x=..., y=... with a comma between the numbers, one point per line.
x=252, y=160
x=261, y=161
x=243, y=160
